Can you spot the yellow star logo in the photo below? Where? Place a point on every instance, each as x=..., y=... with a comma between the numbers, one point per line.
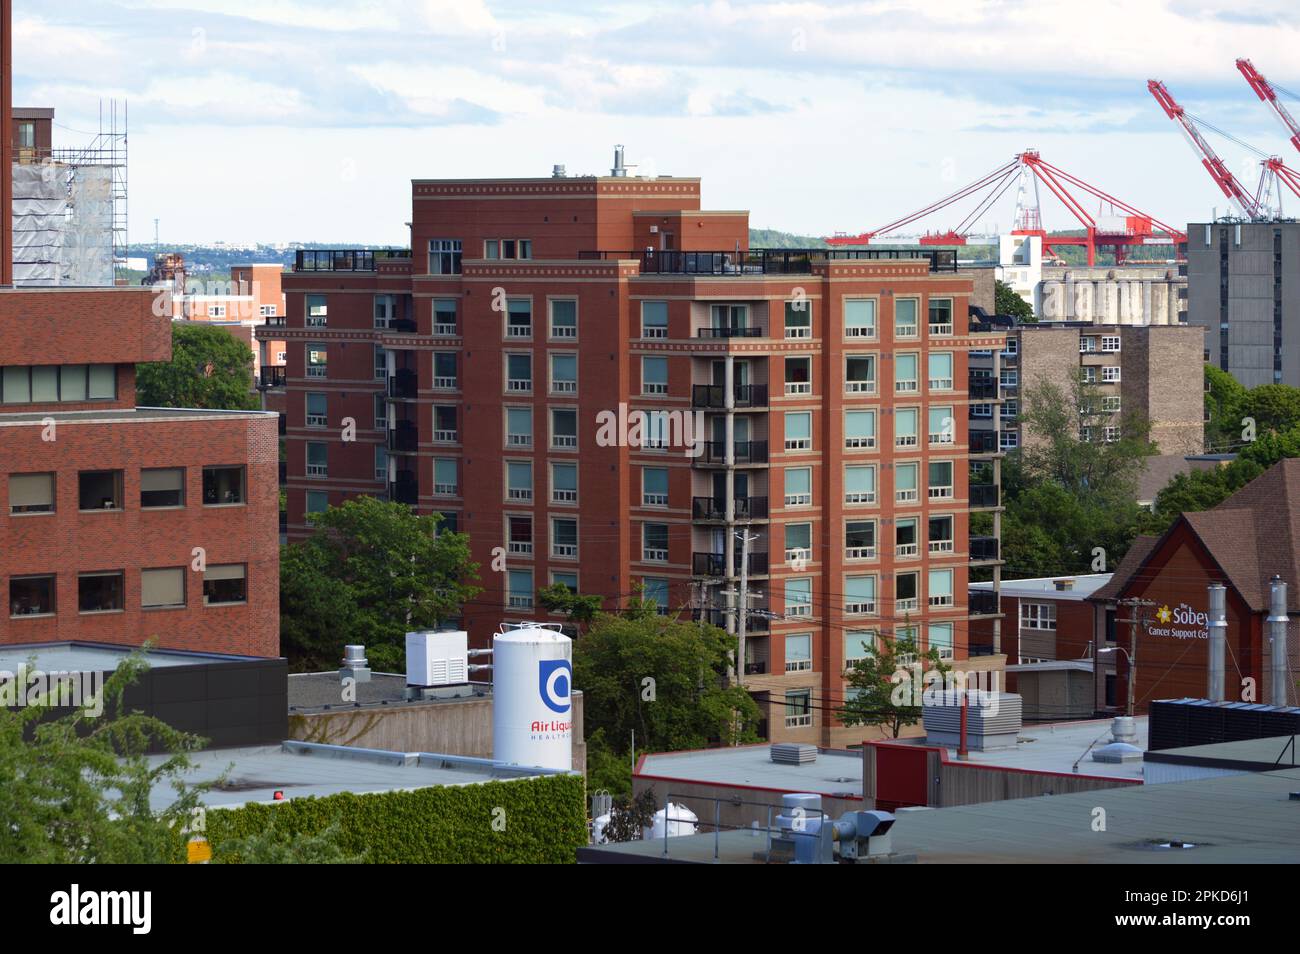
x=1164, y=615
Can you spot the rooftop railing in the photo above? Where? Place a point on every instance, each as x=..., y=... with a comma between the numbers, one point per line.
x=770, y=261
x=344, y=259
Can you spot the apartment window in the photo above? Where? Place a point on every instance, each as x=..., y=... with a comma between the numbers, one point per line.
x=444, y=256
x=317, y=311
x=519, y=481
x=1087, y=345
x=655, y=590
x=1085, y=434
x=564, y=483
x=860, y=484
x=444, y=370
x=905, y=489
x=905, y=424
x=798, y=543
x=381, y=413
x=798, y=708
x=281, y=357
x=26, y=136
x=1009, y=410
x=520, y=589
x=100, y=490
x=939, y=592
x=798, y=597
x=798, y=375
x=317, y=410
x=906, y=592
x=905, y=380
x=162, y=487
x=567, y=580
x=519, y=427
x=507, y=249
x=1009, y=350
x=1110, y=434
x=444, y=317
x=859, y=430
x=218, y=311
x=385, y=310
x=940, y=316
x=564, y=373
x=981, y=411
x=519, y=535
x=940, y=638
x=941, y=425
x=1040, y=616
x=798, y=430
x=519, y=373
x=162, y=588
x=317, y=464
x=445, y=430
x=654, y=375
x=1009, y=378
x=564, y=318
x=1110, y=374
x=798, y=486
x=381, y=464
x=940, y=373
x=940, y=538
x=654, y=319
x=859, y=594
x=860, y=540
x=654, y=486
x=1088, y=375
x=940, y=474
x=564, y=538
x=31, y=493
x=905, y=325
x=100, y=592
x=446, y=482
x=654, y=542
x=381, y=363
x=798, y=652
x=519, y=318
x=859, y=317
x=859, y=374
x=1110, y=403
x=905, y=539
x=1008, y=440
x=31, y=595
x=48, y=384
x=1110, y=343
x=564, y=429
x=225, y=583
x=266, y=311
x=317, y=360
x=798, y=318
x=728, y=319
x=858, y=645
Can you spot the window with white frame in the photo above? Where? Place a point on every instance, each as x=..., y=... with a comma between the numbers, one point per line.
x=564, y=538
x=940, y=373
x=940, y=316
x=444, y=256
x=939, y=588
x=798, y=375
x=519, y=373
x=905, y=425
x=654, y=486
x=445, y=377
x=655, y=590
x=385, y=310
x=519, y=535
x=564, y=318
x=940, y=473
x=798, y=708
x=905, y=317
x=520, y=593
x=860, y=540
x=317, y=360
x=1040, y=616
x=860, y=484
x=1009, y=378
x=510, y=249
x=445, y=425
x=798, y=318
x=1110, y=403
x=940, y=638
x=1087, y=344
x=907, y=592
x=519, y=318
x=519, y=481
x=654, y=375
x=1110, y=374
x=859, y=595
x=217, y=311
x=1110, y=434
x=380, y=363
x=1110, y=344
x=798, y=597
x=381, y=413
x=654, y=542
x=1088, y=375
x=942, y=425
x=317, y=411
x=566, y=579
x=317, y=459
x=564, y=483
x=654, y=319
x=446, y=480
x=317, y=314
x=859, y=374
x=939, y=537
x=859, y=430
x=381, y=464
x=905, y=380
x=798, y=652
x=1009, y=439
x=859, y=644
x=564, y=428
x=519, y=427
x=798, y=544
x=564, y=373
x=859, y=317
x=798, y=430
x=444, y=317
x=798, y=486
x=905, y=483
x=905, y=537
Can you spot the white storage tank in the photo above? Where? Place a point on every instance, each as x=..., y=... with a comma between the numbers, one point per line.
x=532, y=712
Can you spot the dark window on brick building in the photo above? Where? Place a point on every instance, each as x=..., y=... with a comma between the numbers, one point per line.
x=31, y=595
x=99, y=592
x=100, y=489
x=223, y=485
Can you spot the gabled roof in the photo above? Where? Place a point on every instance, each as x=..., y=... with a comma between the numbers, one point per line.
x=1251, y=535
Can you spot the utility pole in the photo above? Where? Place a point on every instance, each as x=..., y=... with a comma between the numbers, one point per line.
x=743, y=618
x=1133, y=604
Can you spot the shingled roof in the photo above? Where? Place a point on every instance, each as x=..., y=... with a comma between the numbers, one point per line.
x=1251, y=535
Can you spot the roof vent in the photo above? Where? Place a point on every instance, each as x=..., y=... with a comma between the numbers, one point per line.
x=557, y=172
x=1064, y=585
x=793, y=753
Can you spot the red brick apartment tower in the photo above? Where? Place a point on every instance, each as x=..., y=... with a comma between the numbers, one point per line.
x=832, y=389
x=104, y=506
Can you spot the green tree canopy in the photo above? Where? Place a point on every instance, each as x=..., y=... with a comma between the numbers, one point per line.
x=1007, y=302
x=371, y=571
x=1225, y=405
x=870, y=699
x=210, y=369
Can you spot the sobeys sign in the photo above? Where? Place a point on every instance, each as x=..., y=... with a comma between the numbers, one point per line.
x=1181, y=622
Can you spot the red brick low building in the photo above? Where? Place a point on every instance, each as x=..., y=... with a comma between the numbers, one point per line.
x=120, y=524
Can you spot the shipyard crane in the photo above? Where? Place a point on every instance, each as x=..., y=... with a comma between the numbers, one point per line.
x=1124, y=227
x=1268, y=93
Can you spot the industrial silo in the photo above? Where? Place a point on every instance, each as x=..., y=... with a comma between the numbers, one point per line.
x=532, y=712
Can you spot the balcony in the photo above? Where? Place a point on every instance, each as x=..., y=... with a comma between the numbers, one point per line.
x=274, y=321
x=404, y=438
x=757, y=622
x=403, y=385
x=983, y=549
x=983, y=442
x=984, y=496
x=756, y=668
x=405, y=489
x=746, y=452
x=983, y=389
x=715, y=564
x=403, y=326
x=982, y=603
x=714, y=396
x=715, y=508
x=272, y=376
x=344, y=260
x=729, y=332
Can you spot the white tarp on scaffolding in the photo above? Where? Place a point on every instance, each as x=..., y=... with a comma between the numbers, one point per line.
x=63, y=224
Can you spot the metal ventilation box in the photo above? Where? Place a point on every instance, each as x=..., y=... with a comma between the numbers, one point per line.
x=437, y=659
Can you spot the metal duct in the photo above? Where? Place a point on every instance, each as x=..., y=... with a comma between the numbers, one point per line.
x=1276, y=624
x=1214, y=669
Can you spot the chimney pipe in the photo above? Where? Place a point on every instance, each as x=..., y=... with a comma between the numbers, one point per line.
x=1278, y=694
x=355, y=665
x=1214, y=668
x=619, y=169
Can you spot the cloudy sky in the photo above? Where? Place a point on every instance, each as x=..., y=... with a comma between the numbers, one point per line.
x=305, y=120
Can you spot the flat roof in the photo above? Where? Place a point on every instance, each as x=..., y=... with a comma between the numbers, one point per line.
x=1084, y=586
x=134, y=415
x=319, y=692
x=302, y=769
x=1247, y=755
x=835, y=772
x=73, y=656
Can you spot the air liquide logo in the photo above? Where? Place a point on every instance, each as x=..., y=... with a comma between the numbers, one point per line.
x=76, y=907
x=1181, y=622
x=554, y=677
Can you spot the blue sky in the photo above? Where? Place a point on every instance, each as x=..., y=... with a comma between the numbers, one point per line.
x=305, y=120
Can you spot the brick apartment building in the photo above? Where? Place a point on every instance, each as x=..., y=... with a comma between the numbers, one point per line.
x=494, y=371
x=103, y=504
x=1154, y=370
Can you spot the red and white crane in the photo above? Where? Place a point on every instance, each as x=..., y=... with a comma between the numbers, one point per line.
x=1268, y=93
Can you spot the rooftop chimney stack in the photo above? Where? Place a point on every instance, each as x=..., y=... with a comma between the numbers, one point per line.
x=355, y=664
x=557, y=171
x=619, y=169
x=1277, y=623
x=1214, y=668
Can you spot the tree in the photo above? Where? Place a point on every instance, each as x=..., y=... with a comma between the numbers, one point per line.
x=1225, y=406
x=371, y=571
x=871, y=699
x=1007, y=302
x=630, y=817
x=1274, y=407
x=558, y=598
x=210, y=369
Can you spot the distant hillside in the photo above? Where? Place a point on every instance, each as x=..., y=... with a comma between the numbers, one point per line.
x=774, y=238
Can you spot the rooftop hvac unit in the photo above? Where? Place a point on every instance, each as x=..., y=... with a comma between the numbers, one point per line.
x=992, y=719
x=793, y=753
x=437, y=659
